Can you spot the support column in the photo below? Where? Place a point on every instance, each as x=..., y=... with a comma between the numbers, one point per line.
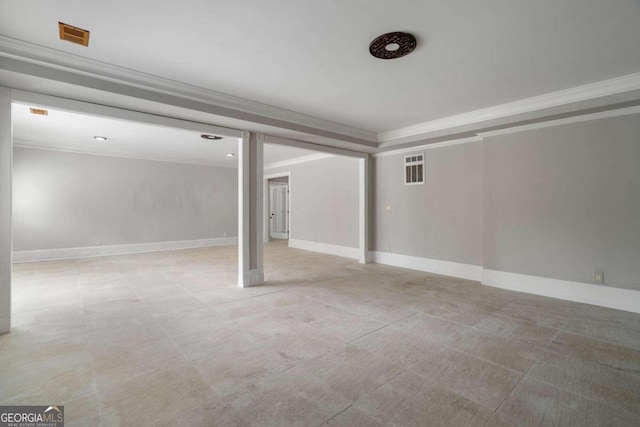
x=6, y=156
x=250, y=207
x=364, y=165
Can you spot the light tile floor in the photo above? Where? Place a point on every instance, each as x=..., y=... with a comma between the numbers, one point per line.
x=168, y=339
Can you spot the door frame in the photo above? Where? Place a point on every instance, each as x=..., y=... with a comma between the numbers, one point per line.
x=267, y=234
x=272, y=186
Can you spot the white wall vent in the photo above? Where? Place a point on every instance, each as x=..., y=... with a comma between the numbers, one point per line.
x=414, y=169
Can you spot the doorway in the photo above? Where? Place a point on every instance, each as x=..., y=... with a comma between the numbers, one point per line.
x=279, y=208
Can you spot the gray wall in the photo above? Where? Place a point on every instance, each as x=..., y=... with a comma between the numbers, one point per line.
x=65, y=200
x=441, y=219
x=324, y=200
x=564, y=201
x=558, y=202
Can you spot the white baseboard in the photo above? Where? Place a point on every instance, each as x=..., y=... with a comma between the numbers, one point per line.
x=5, y=325
x=618, y=298
x=325, y=248
x=97, y=251
x=436, y=266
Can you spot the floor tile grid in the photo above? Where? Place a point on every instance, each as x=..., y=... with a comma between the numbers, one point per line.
x=487, y=360
x=511, y=392
x=192, y=364
x=93, y=372
x=558, y=331
x=471, y=355
x=177, y=347
x=564, y=390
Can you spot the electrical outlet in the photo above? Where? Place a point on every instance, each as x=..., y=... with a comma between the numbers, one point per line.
x=224, y=234
x=98, y=242
x=387, y=208
x=598, y=277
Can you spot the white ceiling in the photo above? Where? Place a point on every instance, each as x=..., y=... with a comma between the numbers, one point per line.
x=312, y=57
x=61, y=130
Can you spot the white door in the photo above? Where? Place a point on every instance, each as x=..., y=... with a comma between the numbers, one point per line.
x=278, y=217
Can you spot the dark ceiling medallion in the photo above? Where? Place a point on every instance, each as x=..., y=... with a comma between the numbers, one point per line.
x=210, y=137
x=392, y=45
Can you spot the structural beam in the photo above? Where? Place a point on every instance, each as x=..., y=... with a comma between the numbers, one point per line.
x=250, y=208
x=6, y=156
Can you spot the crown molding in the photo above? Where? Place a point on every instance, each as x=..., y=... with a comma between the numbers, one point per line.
x=515, y=129
x=559, y=122
x=270, y=139
x=63, y=61
x=59, y=60
x=587, y=92
x=428, y=146
x=20, y=143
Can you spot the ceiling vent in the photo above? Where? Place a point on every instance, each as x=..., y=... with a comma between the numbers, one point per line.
x=73, y=34
x=414, y=169
x=39, y=111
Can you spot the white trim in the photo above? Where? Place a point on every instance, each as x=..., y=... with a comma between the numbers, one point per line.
x=435, y=266
x=257, y=272
x=481, y=135
x=109, y=250
x=443, y=144
x=253, y=278
x=25, y=144
x=270, y=139
x=325, y=248
x=284, y=235
x=303, y=159
x=250, y=207
x=604, y=296
x=244, y=214
x=599, y=89
x=5, y=325
x=59, y=60
x=618, y=298
x=6, y=177
x=565, y=121
x=364, y=179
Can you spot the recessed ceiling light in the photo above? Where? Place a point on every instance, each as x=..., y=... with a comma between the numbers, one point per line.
x=100, y=138
x=210, y=137
x=392, y=45
x=39, y=111
x=230, y=154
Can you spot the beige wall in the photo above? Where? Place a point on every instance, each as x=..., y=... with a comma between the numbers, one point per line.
x=564, y=201
x=557, y=202
x=441, y=219
x=324, y=200
x=66, y=200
